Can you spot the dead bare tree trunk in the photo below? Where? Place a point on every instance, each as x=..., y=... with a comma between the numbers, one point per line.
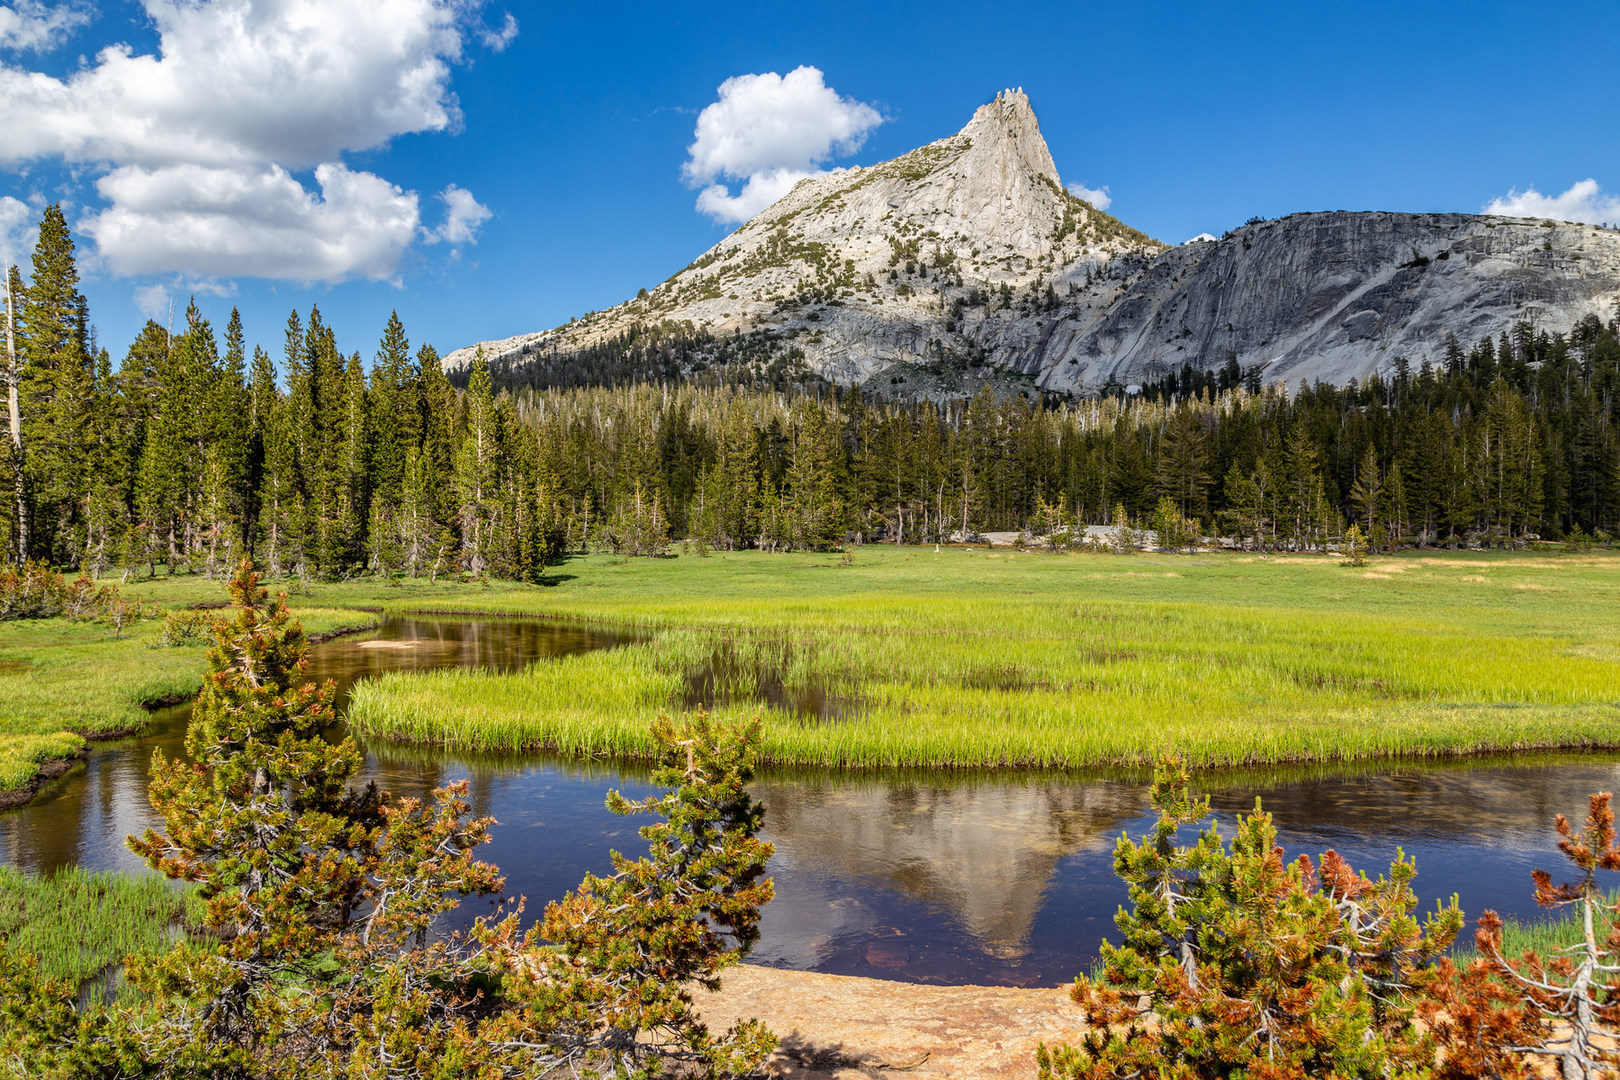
x=15, y=412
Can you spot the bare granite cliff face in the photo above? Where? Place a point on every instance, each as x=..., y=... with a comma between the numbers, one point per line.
x=1329, y=296
x=970, y=252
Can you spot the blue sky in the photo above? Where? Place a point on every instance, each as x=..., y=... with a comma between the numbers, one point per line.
x=490, y=170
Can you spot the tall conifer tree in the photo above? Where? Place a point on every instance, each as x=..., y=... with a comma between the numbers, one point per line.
x=395, y=411
x=56, y=376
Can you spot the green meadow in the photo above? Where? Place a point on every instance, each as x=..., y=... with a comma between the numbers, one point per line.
x=957, y=658
x=910, y=657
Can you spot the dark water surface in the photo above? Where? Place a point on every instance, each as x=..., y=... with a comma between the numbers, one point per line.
x=951, y=877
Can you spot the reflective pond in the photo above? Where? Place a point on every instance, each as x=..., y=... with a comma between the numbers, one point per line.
x=948, y=877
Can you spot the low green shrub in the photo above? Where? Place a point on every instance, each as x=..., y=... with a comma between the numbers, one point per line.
x=183, y=628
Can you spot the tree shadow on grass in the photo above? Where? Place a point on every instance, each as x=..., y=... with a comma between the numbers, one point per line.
x=553, y=580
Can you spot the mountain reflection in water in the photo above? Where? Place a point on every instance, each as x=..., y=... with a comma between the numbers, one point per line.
x=892, y=875
x=956, y=877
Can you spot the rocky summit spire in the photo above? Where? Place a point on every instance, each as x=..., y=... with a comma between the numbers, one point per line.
x=1009, y=137
x=979, y=210
x=992, y=183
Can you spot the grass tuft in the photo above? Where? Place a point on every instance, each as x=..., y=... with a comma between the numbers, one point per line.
x=81, y=925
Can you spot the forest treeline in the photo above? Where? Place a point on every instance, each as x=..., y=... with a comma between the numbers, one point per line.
x=193, y=450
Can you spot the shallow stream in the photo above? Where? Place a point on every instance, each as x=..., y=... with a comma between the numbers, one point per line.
x=946, y=877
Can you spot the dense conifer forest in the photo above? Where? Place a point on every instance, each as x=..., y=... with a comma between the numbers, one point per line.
x=196, y=447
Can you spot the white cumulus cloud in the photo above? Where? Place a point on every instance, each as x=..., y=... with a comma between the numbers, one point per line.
x=760, y=191
x=202, y=143
x=1584, y=201
x=219, y=220
x=160, y=300
x=1201, y=238
x=463, y=215
x=32, y=26
x=19, y=228
x=1097, y=197
x=770, y=131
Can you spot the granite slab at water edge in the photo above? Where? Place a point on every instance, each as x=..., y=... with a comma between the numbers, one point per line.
x=836, y=1027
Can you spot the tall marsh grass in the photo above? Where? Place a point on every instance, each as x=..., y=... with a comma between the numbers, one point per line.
x=1547, y=936
x=1062, y=661
x=81, y=925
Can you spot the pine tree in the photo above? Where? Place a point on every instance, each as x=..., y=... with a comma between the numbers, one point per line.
x=1365, y=494
x=1183, y=468
x=1243, y=496
x=439, y=410
x=104, y=511
x=635, y=943
x=52, y=339
x=55, y=376
x=727, y=491
x=320, y=895
x=263, y=400
x=1128, y=471
x=395, y=412
x=1253, y=966
x=297, y=867
x=353, y=455
x=1395, y=503
x=1509, y=471
x=425, y=544
x=228, y=405
x=1466, y=456
x=165, y=460
x=1453, y=355
x=321, y=457
x=1302, y=484
x=526, y=545
x=815, y=482
x=1579, y=989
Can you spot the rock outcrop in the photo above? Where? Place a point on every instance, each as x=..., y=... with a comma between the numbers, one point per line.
x=969, y=251
x=1331, y=296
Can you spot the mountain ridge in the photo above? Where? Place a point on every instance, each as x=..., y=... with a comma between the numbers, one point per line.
x=969, y=249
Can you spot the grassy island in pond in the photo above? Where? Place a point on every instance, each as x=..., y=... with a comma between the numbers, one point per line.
x=995, y=658
x=969, y=657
